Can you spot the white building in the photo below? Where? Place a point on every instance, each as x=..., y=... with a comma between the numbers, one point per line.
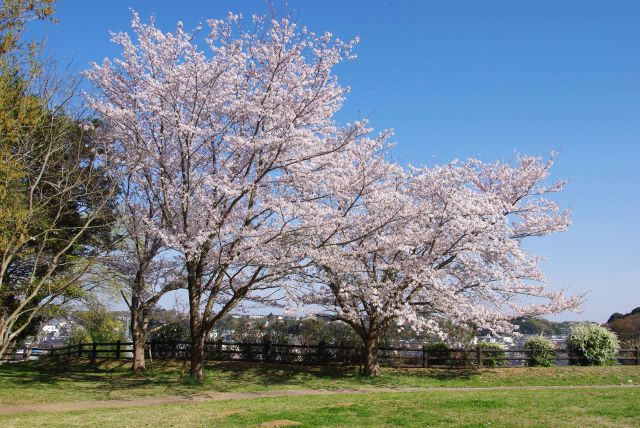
x=51, y=328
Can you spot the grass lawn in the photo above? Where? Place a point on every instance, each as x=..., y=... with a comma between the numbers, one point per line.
x=579, y=408
x=73, y=380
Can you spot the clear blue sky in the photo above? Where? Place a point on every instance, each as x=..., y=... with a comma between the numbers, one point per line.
x=486, y=79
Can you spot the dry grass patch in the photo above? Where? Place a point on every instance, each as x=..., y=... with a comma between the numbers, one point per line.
x=349, y=404
x=280, y=423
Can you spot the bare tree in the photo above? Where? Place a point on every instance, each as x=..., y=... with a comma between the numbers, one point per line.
x=142, y=266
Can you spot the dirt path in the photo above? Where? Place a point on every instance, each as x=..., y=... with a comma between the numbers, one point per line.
x=219, y=396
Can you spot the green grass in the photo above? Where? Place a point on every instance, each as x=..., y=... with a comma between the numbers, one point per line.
x=73, y=380
x=572, y=408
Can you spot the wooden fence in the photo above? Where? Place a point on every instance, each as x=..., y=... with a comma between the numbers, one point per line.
x=23, y=354
x=319, y=354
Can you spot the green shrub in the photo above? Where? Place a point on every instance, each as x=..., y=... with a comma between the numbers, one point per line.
x=173, y=332
x=542, y=351
x=97, y=325
x=492, y=359
x=439, y=353
x=592, y=345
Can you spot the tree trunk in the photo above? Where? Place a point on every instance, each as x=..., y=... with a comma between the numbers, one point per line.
x=197, y=356
x=4, y=346
x=5, y=338
x=370, y=357
x=198, y=334
x=138, y=329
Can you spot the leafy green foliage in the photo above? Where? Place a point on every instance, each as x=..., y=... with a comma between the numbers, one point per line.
x=494, y=357
x=14, y=14
x=439, y=353
x=48, y=186
x=55, y=200
x=172, y=332
x=542, y=351
x=97, y=324
x=535, y=325
x=592, y=345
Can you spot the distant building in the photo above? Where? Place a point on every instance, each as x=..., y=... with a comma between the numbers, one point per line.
x=51, y=329
x=256, y=317
x=502, y=340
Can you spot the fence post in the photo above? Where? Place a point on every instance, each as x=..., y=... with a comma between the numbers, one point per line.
x=479, y=356
x=79, y=350
x=637, y=355
x=533, y=355
x=150, y=356
x=425, y=358
x=118, y=350
x=52, y=352
x=322, y=352
x=174, y=350
x=68, y=351
x=219, y=349
x=94, y=353
x=266, y=351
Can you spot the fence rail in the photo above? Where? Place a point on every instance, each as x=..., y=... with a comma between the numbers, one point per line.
x=313, y=354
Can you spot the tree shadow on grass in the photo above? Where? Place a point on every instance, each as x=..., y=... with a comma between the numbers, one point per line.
x=330, y=376
x=103, y=378
x=114, y=379
x=452, y=374
x=269, y=374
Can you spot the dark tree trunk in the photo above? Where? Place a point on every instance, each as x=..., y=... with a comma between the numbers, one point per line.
x=139, y=321
x=197, y=357
x=370, y=366
x=198, y=333
x=139, y=329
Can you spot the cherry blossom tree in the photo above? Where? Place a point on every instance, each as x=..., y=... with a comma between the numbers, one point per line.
x=227, y=143
x=442, y=243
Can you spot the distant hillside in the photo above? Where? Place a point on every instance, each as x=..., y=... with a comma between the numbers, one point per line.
x=617, y=315
x=534, y=325
x=626, y=326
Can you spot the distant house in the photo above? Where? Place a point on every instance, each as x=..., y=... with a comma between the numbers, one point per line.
x=256, y=317
x=487, y=338
x=54, y=332
x=559, y=340
x=51, y=328
x=504, y=340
